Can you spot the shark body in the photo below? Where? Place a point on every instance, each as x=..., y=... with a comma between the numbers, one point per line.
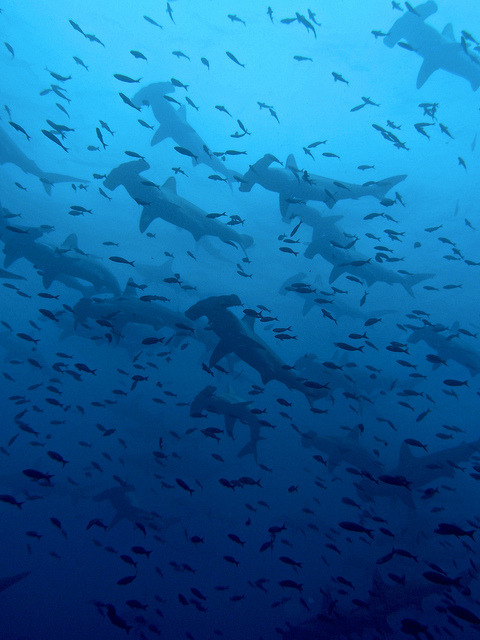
x=11, y=154
x=438, y=50
x=165, y=203
x=291, y=184
x=174, y=125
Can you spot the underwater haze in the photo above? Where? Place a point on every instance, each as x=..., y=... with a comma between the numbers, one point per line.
x=239, y=335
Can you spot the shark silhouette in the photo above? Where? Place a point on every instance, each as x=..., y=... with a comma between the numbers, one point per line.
x=384, y=600
x=419, y=471
x=128, y=308
x=438, y=50
x=11, y=154
x=66, y=264
x=326, y=238
x=123, y=507
x=174, y=125
x=164, y=203
x=233, y=409
x=448, y=345
x=291, y=184
x=238, y=337
x=346, y=449
x=9, y=581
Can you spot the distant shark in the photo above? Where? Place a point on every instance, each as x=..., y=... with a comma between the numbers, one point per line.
x=310, y=292
x=11, y=154
x=384, y=601
x=66, y=264
x=293, y=185
x=123, y=507
x=233, y=409
x=447, y=345
x=346, y=449
x=9, y=581
x=128, y=308
x=238, y=337
x=439, y=51
x=163, y=202
x=419, y=471
x=174, y=125
x=327, y=237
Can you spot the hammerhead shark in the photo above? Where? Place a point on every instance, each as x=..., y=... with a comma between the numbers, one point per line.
x=128, y=308
x=346, y=449
x=233, y=409
x=66, y=264
x=419, y=471
x=447, y=345
x=327, y=240
x=438, y=50
x=293, y=185
x=11, y=154
x=124, y=509
x=174, y=125
x=384, y=600
x=238, y=337
x=163, y=202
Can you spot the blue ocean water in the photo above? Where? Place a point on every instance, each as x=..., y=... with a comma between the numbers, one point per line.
x=239, y=338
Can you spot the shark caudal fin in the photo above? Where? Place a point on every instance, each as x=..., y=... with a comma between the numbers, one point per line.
x=382, y=187
x=49, y=179
x=410, y=281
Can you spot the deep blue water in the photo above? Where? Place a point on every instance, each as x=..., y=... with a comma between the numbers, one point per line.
x=243, y=385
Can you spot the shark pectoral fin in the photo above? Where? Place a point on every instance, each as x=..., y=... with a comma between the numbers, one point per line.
x=428, y=67
x=220, y=351
x=170, y=184
x=182, y=112
x=159, y=135
x=283, y=207
x=146, y=218
x=229, y=424
x=47, y=279
x=335, y=273
x=10, y=258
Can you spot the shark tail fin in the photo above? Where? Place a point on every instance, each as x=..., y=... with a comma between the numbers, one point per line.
x=250, y=448
x=49, y=179
x=411, y=281
x=382, y=187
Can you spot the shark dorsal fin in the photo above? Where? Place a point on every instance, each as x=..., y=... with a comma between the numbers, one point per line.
x=130, y=290
x=249, y=321
x=447, y=32
x=70, y=242
x=406, y=457
x=291, y=163
x=170, y=184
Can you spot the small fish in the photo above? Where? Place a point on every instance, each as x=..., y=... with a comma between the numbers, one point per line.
x=234, y=59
